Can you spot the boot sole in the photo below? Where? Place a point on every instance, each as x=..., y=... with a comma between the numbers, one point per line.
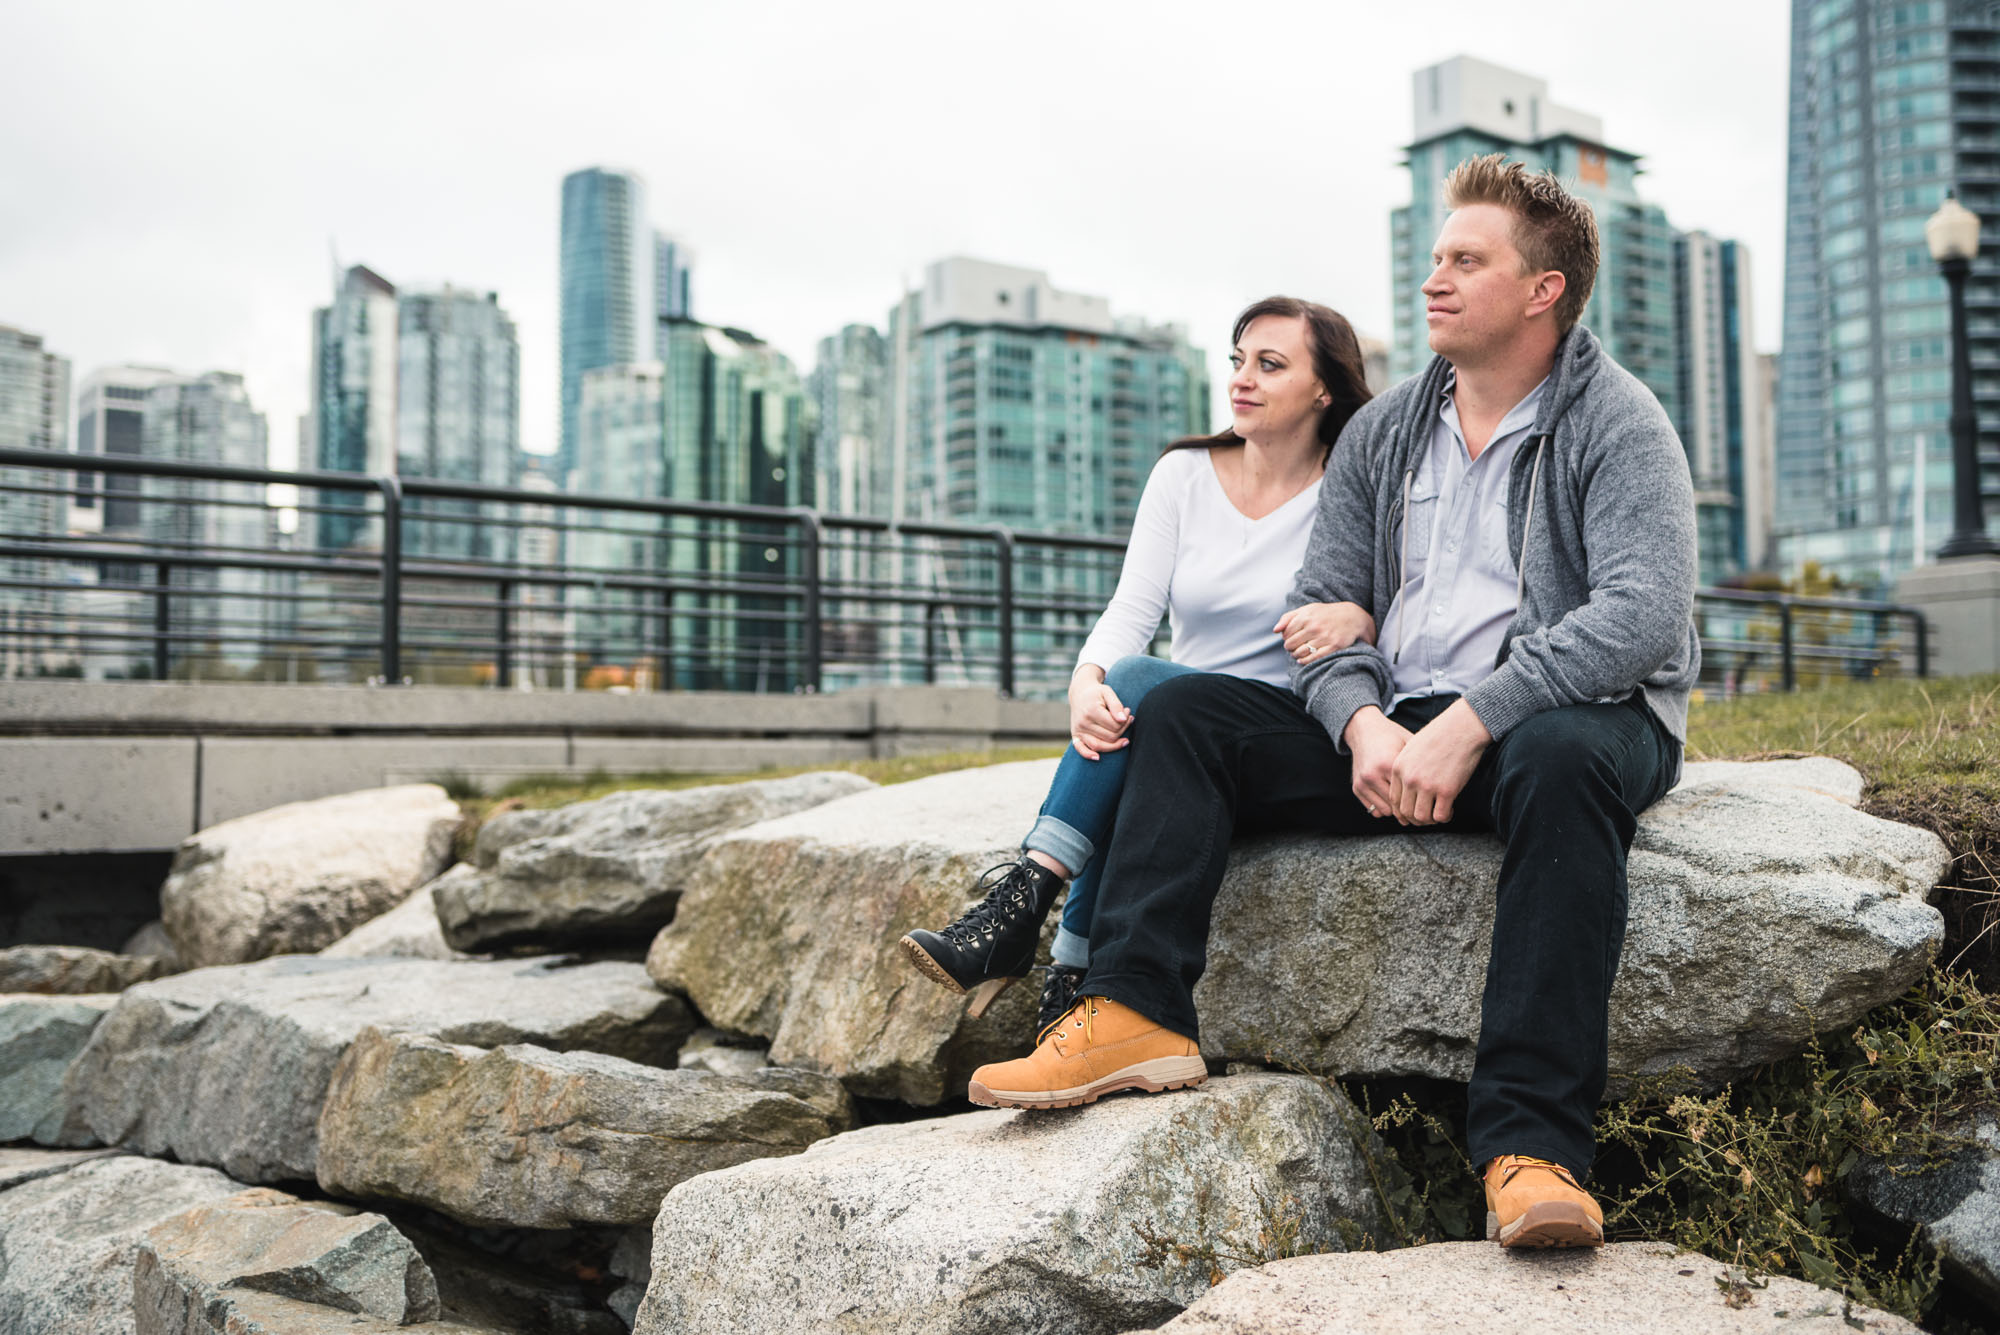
x=1155, y=1076
x=983, y=995
x=1548, y=1224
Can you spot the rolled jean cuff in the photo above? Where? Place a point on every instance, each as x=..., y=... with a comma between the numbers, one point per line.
x=1070, y=950
x=1060, y=841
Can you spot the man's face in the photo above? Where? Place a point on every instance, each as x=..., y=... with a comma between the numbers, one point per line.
x=1479, y=294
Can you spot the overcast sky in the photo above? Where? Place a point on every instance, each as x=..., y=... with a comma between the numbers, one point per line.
x=176, y=178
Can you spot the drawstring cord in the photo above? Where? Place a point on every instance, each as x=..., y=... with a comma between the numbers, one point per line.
x=1528, y=524
x=1403, y=568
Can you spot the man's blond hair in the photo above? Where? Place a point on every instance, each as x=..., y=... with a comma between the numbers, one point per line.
x=1553, y=229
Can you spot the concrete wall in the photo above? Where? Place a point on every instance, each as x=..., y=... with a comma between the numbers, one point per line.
x=111, y=766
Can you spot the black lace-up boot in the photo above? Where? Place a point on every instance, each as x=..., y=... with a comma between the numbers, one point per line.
x=992, y=946
x=1058, y=995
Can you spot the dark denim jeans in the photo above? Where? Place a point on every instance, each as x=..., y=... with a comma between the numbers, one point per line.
x=1563, y=791
x=1075, y=820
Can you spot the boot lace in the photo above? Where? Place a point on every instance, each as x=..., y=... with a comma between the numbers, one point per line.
x=1007, y=895
x=1514, y=1163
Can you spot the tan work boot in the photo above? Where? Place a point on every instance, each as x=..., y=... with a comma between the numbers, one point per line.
x=1535, y=1203
x=1099, y=1047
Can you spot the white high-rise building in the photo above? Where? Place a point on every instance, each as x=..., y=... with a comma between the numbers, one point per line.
x=1721, y=422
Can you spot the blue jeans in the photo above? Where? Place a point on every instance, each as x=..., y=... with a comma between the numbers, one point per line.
x=1075, y=820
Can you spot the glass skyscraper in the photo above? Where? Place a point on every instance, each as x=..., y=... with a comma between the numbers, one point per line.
x=1721, y=422
x=34, y=415
x=209, y=419
x=458, y=413
x=352, y=424
x=1893, y=103
x=1026, y=405
x=419, y=384
x=608, y=287
x=721, y=416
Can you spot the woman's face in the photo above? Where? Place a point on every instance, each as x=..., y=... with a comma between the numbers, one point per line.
x=1274, y=393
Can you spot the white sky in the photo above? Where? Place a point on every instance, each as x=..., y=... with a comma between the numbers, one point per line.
x=172, y=176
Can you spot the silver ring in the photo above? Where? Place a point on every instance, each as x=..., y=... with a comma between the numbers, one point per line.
x=1311, y=650
x=1371, y=811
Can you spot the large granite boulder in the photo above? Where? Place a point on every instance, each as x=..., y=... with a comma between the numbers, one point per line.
x=1063, y=1221
x=300, y=876
x=39, y=1037
x=229, y=1066
x=266, y=1242
x=69, y=1239
x=523, y=1137
x=1764, y=906
x=1633, y=1288
x=608, y=870
x=787, y=930
x=1953, y=1202
x=70, y=970
x=409, y=931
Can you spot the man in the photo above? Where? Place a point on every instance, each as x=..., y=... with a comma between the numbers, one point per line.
x=1520, y=522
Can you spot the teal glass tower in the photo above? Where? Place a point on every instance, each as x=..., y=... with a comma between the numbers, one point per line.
x=608, y=290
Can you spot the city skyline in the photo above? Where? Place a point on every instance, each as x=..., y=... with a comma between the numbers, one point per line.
x=791, y=257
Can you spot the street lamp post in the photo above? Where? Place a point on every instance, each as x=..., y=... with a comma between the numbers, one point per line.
x=1953, y=235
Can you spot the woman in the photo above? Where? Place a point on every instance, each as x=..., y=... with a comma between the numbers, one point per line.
x=1219, y=535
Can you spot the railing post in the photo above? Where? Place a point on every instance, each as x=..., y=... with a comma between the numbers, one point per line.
x=1788, y=670
x=809, y=542
x=931, y=611
x=1923, y=641
x=1003, y=541
x=162, y=620
x=503, y=666
x=392, y=579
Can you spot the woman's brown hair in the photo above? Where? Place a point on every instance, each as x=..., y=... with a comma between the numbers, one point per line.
x=1336, y=358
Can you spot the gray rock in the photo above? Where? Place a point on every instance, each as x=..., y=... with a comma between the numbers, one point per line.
x=18, y=1165
x=72, y=970
x=632, y=1262
x=152, y=939
x=228, y=1066
x=523, y=1137
x=39, y=1037
x=408, y=931
x=723, y=1054
x=1009, y=1221
x=1954, y=1204
x=1763, y=907
x=820, y=1092
x=162, y=1308
x=300, y=876
x=68, y=1241
x=608, y=870
x=787, y=931
x=268, y=1242
x=1633, y=1288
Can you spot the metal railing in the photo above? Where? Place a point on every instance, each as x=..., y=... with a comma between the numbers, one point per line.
x=402, y=580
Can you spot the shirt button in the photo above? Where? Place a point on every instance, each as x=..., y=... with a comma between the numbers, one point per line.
x=1451, y=546
x=1437, y=610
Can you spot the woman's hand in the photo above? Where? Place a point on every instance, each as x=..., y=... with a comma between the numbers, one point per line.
x=1097, y=719
x=1317, y=629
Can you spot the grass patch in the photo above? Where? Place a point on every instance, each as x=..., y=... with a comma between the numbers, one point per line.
x=557, y=790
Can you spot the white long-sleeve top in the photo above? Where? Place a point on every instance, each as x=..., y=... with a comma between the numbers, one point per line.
x=1220, y=576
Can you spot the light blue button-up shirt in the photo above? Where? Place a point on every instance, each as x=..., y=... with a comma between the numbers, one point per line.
x=1445, y=627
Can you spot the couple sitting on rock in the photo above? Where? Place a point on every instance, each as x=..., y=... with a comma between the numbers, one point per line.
x=1519, y=524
